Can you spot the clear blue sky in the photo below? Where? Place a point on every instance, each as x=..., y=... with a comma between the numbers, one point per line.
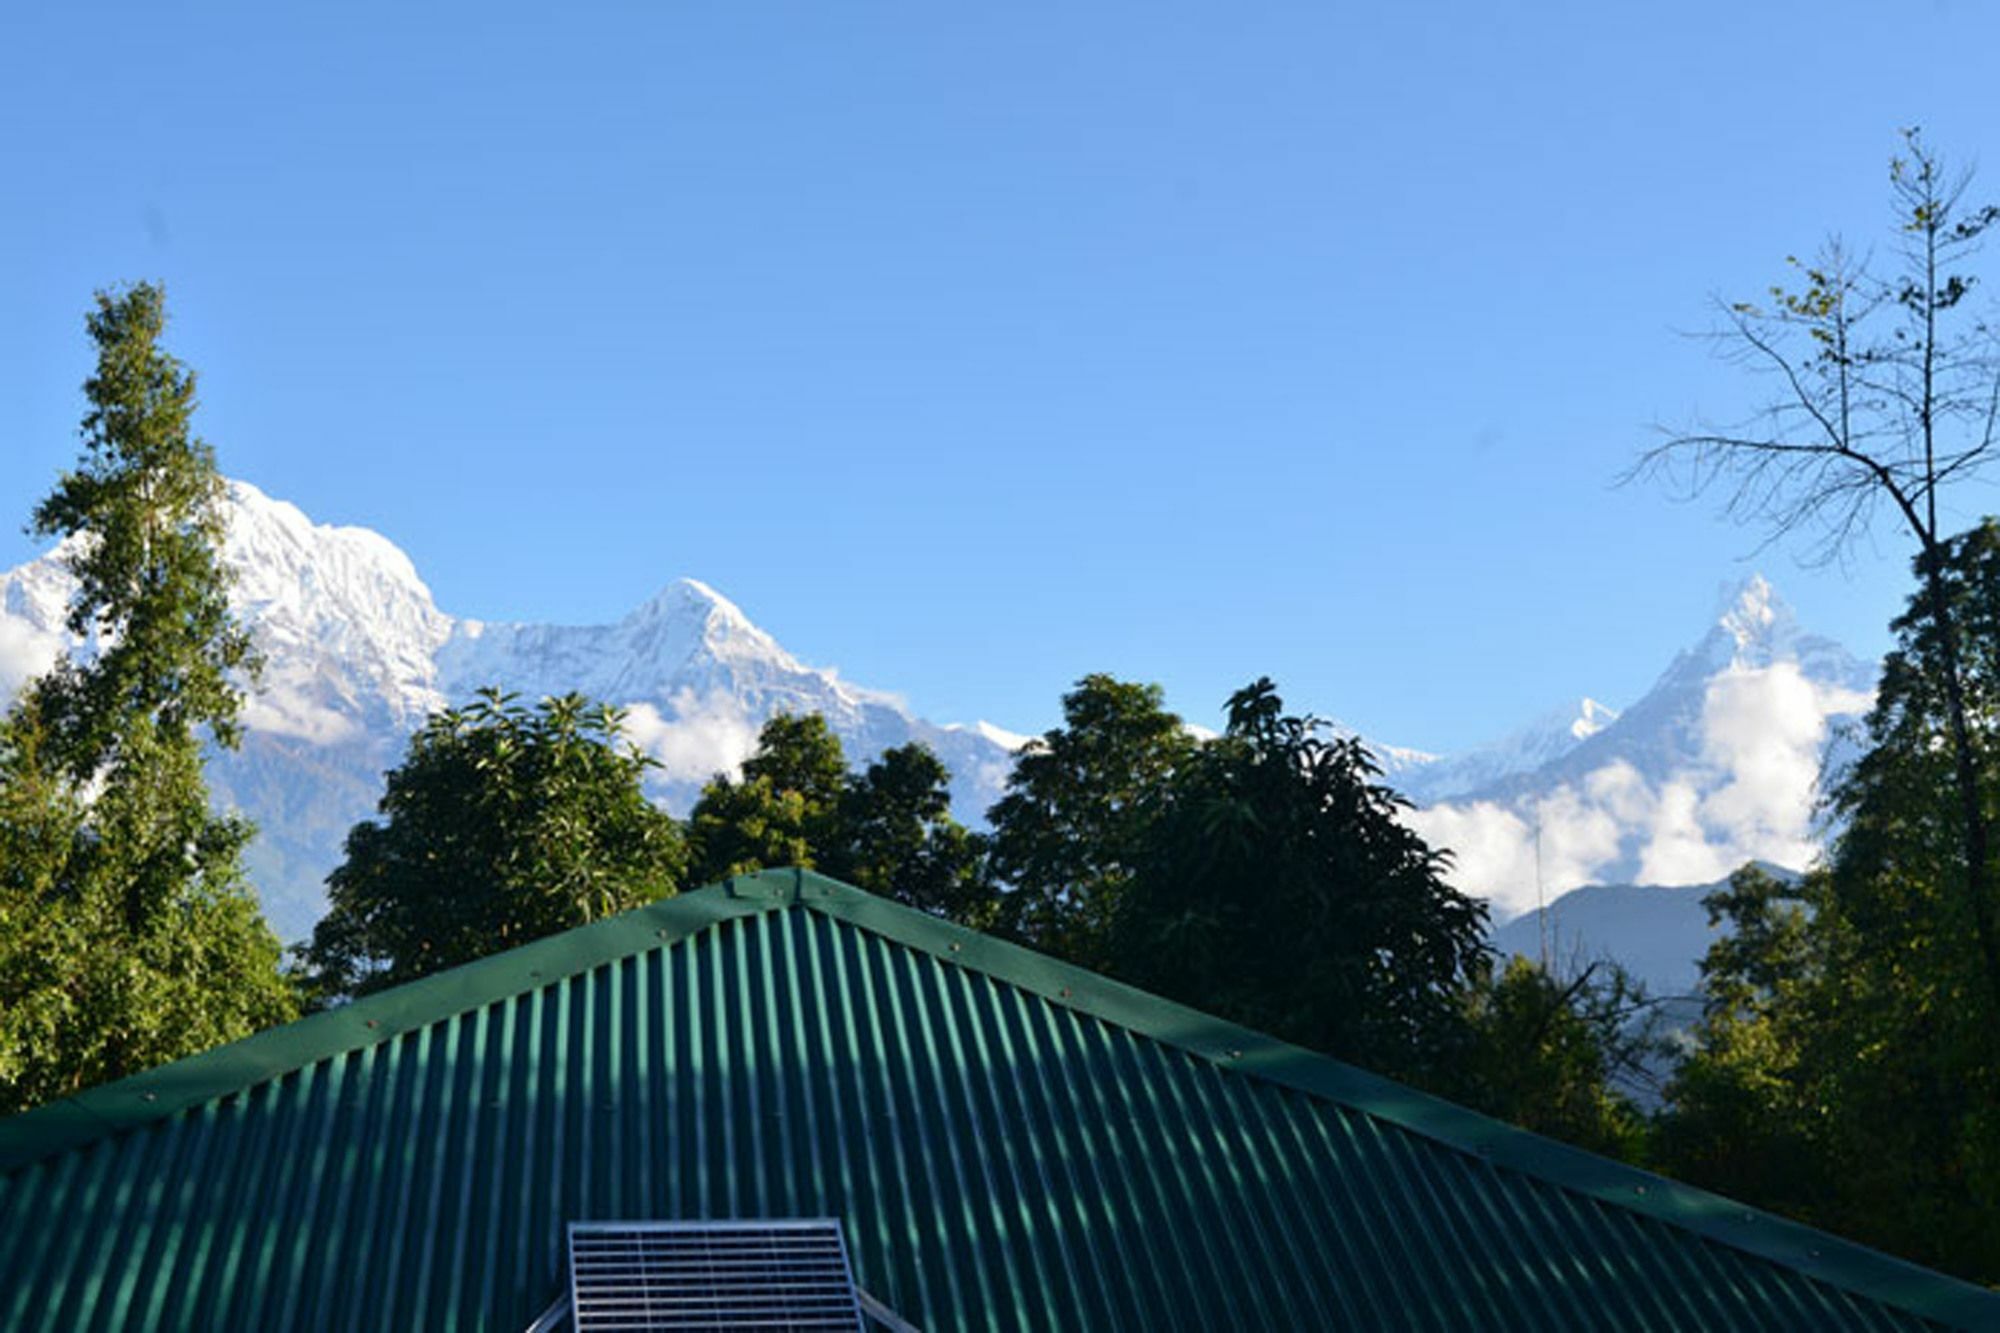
x=972, y=348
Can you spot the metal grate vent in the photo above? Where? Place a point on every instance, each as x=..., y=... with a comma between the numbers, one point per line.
x=711, y=1275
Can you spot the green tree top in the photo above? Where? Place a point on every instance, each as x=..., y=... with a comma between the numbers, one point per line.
x=1074, y=821
x=887, y=829
x=1277, y=886
x=502, y=824
x=144, y=521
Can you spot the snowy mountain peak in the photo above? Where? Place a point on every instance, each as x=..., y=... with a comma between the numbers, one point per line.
x=260, y=524
x=357, y=654
x=688, y=617
x=1715, y=765
x=1543, y=741
x=1756, y=620
x=340, y=615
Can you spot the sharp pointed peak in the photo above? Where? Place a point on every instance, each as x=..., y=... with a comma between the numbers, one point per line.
x=685, y=597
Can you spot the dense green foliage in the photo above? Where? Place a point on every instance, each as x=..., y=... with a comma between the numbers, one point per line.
x=127, y=934
x=897, y=838
x=501, y=825
x=887, y=828
x=1552, y=1056
x=783, y=811
x=1264, y=875
x=1072, y=827
x=1275, y=886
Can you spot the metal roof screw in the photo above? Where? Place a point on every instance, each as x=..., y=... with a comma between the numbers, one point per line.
x=1065, y=992
x=1235, y=1054
x=954, y=946
x=149, y=1096
x=371, y=1023
x=1638, y=1189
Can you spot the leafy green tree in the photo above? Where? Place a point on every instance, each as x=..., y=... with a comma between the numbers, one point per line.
x=1844, y=1070
x=1902, y=960
x=887, y=829
x=897, y=838
x=1075, y=821
x=1545, y=1055
x=502, y=824
x=1741, y=1115
x=128, y=936
x=783, y=811
x=1276, y=886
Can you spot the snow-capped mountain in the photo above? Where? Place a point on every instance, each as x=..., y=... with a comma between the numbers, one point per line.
x=1716, y=765
x=357, y=654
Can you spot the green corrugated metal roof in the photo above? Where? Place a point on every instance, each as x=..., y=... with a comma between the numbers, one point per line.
x=1012, y=1143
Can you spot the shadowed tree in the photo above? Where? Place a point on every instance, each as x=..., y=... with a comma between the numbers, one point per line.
x=897, y=838
x=1277, y=886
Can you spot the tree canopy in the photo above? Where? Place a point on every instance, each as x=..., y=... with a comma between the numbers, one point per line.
x=1071, y=829
x=502, y=824
x=887, y=828
x=128, y=935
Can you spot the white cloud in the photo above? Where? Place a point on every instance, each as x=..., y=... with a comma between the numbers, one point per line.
x=1747, y=794
x=25, y=652
x=287, y=710
x=1496, y=851
x=1678, y=846
x=706, y=735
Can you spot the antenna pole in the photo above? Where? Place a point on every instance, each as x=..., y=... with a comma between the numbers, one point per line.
x=1541, y=907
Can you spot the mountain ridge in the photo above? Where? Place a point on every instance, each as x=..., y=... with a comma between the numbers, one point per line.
x=358, y=653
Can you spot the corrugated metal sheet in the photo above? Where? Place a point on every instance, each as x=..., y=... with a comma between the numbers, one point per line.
x=1012, y=1145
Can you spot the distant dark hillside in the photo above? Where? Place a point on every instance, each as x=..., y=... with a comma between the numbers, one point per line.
x=1658, y=933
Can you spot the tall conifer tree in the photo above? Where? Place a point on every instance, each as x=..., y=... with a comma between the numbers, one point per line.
x=128, y=935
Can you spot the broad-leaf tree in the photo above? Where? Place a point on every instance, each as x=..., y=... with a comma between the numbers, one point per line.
x=128, y=935
x=887, y=828
x=1548, y=1055
x=502, y=824
x=896, y=837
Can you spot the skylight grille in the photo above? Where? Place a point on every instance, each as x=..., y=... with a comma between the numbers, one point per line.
x=636, y=1276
